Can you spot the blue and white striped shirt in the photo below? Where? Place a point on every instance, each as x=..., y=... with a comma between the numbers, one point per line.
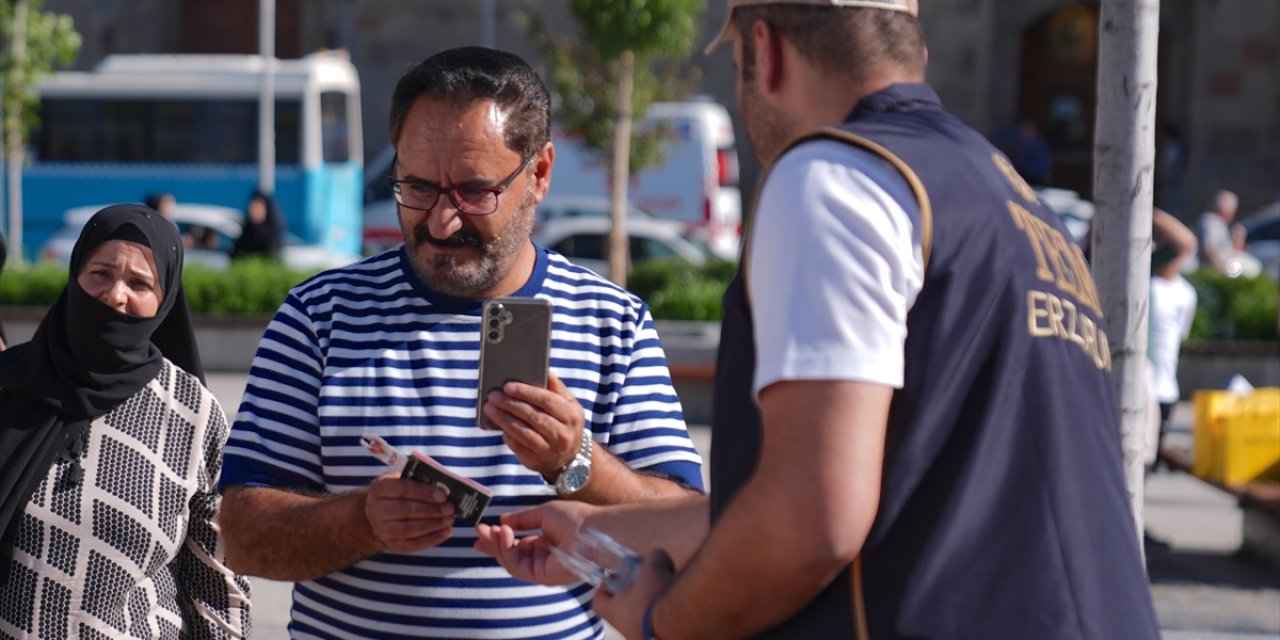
x=368, y=349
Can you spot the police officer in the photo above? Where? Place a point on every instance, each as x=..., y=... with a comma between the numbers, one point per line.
x=913, y=424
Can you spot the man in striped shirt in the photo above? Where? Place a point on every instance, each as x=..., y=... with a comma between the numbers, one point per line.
x=389, y=346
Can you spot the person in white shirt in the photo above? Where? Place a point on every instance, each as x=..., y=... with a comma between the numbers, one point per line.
x=1173, y=307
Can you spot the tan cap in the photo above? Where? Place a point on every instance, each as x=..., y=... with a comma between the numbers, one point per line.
x=726, y=32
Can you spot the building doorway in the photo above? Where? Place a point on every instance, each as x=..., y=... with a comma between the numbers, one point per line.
x=1058, y=90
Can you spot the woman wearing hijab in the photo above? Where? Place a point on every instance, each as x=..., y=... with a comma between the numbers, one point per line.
x=110, y=451
x=263, y=229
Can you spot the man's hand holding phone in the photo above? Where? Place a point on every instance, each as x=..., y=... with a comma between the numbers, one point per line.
x=542, y=426
x=540, y=420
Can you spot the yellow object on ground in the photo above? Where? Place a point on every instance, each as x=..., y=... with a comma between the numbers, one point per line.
x=1237, y=437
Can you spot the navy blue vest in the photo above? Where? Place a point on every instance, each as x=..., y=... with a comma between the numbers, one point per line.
x=1003, y=511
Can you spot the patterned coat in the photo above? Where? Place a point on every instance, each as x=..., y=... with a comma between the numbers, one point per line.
x=133, y=550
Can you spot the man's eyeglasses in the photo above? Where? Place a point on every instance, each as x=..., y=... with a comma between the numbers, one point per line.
x=471, y=200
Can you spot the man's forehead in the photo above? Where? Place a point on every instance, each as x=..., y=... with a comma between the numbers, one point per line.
x=434, y=121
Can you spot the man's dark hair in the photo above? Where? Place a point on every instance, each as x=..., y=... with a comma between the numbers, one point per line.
x=839, y=41
x=468, y=74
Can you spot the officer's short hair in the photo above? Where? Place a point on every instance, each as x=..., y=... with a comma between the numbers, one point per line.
x=837, y=40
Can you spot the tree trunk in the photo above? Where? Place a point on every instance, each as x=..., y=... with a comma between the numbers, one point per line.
x=621, y=168
x=14, y=152
x=1124, y=154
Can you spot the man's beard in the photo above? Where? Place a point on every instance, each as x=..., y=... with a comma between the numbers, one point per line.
x=766, y=127
x=469, y=277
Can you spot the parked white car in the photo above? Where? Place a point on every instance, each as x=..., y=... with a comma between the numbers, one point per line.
x=1075, y=212
x=224, y=222
x=1262, y=239
x=584, y=240
x=555, y=207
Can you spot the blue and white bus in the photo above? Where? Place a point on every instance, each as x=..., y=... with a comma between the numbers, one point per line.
x=188, y=125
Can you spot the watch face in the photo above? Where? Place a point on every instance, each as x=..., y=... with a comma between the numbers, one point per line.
x=575, y=477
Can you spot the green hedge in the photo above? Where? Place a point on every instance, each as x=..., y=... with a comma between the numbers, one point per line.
x=36, y=286
x=1233, y=308
x=679, y=291
x=1227, y=309
x=250, y=286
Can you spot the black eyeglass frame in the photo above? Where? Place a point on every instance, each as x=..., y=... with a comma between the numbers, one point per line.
x=497, y=190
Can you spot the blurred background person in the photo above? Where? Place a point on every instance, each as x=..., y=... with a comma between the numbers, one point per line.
x=164, y=203
x=1027, y=150
x=110, y=453
x=1173, y=307
x=263, y=231
x=1213, y=231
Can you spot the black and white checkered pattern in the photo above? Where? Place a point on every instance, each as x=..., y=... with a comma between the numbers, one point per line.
x=132, y=551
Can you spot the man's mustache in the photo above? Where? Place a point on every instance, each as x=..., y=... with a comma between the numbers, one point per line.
x=460, y=238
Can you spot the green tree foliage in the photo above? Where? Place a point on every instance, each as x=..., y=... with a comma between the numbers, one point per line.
x=583, y=68
x=50, y=41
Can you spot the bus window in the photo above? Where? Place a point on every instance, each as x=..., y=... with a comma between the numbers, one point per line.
x=163, y=131
x=334, y=137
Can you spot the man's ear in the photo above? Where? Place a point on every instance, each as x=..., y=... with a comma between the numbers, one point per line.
x=543, y=164
x=768, y=55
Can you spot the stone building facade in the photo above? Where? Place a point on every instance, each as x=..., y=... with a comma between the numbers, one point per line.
x=994, y=62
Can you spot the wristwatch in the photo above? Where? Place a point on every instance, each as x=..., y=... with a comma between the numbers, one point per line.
x=573, y=477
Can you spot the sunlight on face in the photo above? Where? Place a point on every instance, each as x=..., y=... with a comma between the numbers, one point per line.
x=123, y=276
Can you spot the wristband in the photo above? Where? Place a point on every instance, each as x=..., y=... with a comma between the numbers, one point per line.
x=646, y=623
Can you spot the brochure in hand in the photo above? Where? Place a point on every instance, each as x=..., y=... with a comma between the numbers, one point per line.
x=469, y=498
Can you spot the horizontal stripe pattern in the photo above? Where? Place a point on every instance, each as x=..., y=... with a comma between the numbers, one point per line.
x=365, y=349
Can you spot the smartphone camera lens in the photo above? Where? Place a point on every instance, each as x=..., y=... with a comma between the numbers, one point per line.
x=493, y=323
x=493, y=336
x=495, y=310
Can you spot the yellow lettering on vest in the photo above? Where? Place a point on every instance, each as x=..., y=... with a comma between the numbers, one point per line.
x=1073, y=316
x=1049, y=316
x=1089, y=337
x=1035, y=311
x=1088, y=291
x=1006, y=169
x=1055, y=316
x=1027, y=223
x=1068, y=278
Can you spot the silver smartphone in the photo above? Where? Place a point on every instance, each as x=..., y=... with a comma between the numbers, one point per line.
x=515, y=345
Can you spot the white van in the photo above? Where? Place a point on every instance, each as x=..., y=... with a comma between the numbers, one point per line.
x=696, y=184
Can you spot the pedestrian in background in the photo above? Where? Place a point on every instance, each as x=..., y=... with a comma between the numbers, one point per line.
x=263, y=230
x=110, y=450
x=1173, y=308
x=1213, y=231
x=914, y=428
x=389, y=346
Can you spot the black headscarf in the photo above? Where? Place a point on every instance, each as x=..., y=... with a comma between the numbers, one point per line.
x=85, y=359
